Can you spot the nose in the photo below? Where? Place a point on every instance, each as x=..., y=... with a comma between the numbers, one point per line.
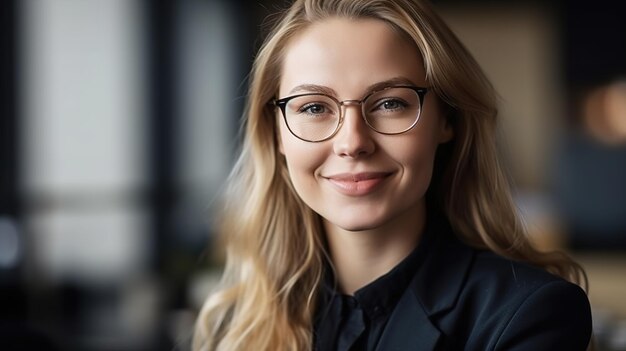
x=354, y=138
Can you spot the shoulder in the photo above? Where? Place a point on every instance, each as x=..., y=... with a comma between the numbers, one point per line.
x=479, y=300
x=499, y=283
x=518, y=306
x=491, y=272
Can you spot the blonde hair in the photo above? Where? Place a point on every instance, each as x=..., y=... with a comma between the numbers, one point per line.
x=275, y=243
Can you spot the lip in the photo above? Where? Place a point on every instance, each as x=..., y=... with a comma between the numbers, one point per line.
x=357, y=184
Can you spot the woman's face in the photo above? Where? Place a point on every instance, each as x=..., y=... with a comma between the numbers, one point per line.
x=359, y=179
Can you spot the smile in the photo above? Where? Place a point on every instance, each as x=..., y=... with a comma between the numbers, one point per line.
x=357, y=184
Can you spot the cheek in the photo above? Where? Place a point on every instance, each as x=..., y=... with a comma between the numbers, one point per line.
x=419, y=167
x=302, y=158
x=417, y=149
x=417, y=158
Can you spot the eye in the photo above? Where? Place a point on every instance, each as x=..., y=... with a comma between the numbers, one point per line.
x=391, y=104
x=313, y=108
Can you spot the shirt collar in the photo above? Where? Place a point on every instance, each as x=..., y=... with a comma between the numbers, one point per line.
x=381, y=295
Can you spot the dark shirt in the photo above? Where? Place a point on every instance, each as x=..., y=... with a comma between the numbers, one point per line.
x=356, y=323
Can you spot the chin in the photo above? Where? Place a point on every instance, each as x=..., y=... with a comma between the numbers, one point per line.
x=356, y=225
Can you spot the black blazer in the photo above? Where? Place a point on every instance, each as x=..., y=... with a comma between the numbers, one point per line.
x=467, y=299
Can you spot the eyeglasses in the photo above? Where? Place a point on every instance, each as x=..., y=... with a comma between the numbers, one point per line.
x=316, y=117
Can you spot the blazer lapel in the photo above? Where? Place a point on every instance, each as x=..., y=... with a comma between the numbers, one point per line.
x=408, y=328
x=433, y=291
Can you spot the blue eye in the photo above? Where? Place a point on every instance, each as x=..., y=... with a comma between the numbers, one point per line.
x=314, y=109
x=392, y=104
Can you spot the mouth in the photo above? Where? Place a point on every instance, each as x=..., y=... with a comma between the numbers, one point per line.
x=357, y=184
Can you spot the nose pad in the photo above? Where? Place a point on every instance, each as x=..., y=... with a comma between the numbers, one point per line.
x=354, y=138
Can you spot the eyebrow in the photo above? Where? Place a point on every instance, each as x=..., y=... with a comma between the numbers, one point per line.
x=314, y=88
x=390, y=83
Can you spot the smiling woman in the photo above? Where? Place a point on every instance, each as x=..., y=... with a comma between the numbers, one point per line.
x=367, y=210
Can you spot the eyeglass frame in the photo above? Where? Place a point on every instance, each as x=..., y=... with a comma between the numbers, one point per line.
x=282, y=105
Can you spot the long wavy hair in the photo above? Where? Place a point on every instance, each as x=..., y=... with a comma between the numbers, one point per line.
x=275, y=245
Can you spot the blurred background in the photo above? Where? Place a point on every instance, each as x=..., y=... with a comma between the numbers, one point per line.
x=118, y=126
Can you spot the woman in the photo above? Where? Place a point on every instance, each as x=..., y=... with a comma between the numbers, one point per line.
x=367, y=210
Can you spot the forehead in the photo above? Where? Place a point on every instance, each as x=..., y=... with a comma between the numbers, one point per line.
x=348, y=55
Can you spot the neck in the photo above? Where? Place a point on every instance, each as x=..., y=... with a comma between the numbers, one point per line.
x=360, y=257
